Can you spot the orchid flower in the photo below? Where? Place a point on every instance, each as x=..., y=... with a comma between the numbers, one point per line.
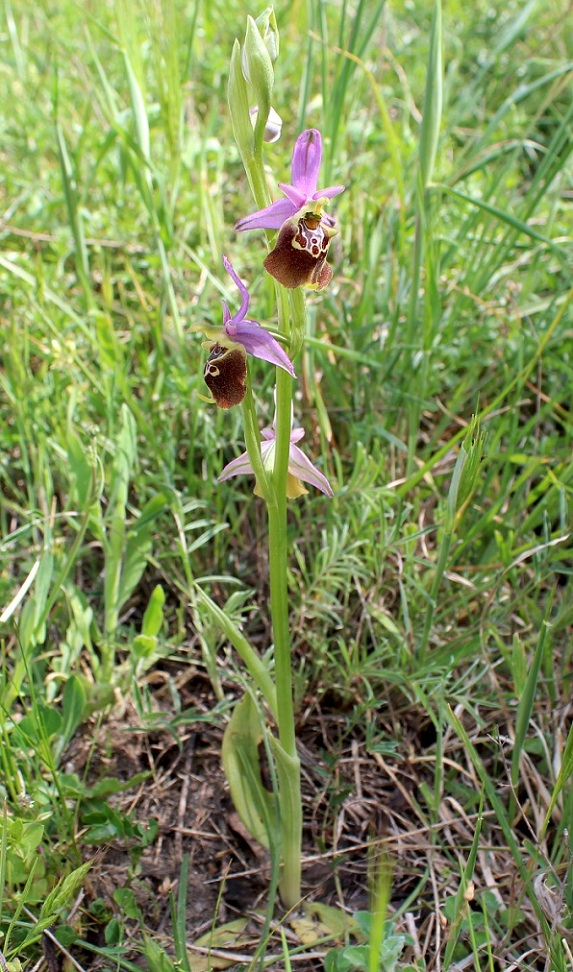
x=300, y=468
x=306, y=159
x=226, y=368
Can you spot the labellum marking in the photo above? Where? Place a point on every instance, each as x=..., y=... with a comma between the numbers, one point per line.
x=311, y=236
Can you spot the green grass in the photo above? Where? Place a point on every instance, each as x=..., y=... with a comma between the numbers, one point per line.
x=431, y=600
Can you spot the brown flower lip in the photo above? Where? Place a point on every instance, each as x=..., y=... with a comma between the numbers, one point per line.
x=299, y=256
x=225, y=375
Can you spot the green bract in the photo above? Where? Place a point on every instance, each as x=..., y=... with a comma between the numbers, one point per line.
x=258, y=71
x=239, y=106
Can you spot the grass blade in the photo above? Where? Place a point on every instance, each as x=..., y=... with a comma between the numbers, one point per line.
x=432, y=110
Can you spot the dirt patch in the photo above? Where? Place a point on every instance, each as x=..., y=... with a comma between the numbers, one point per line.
x=358, y=799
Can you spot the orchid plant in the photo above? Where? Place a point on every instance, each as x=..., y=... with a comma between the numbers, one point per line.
x=297, y=260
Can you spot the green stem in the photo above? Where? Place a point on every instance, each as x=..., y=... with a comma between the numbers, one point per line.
x=253, y=443
x=273, y=487
x=298, y=330
x=281, y=632
x=255, y=170
x=283, y=406
x=288, y=764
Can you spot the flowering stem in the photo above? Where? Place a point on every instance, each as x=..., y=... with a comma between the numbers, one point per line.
x=258, y=183
x=253, y=443
x=274, y=490
x=288, y=764
x=283, y=414
x=255, y=170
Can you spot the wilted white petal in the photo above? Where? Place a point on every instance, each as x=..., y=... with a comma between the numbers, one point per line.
x=274, y=125
x=237, y=467
x=301, y=467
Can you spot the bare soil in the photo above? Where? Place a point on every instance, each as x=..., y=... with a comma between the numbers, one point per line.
x=357, y=803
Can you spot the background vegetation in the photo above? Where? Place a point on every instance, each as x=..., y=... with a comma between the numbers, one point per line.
x=431, y=599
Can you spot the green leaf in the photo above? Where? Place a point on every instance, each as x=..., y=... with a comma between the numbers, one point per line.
x=258, y=69
x=466, y=472
x=113, y=933
x=30, y=837
x=64, y=891
x=241, y=741
x=153, y=617
x=156, y=958
x=27, y=625
x=108, y=345
x=125, y=898
x=109, y=785
x=518, y=665
x=504, y=217
x=565, y=776
x=250, y=658
x=42, y=592
x=239, y=106
x=73, y=707
x=82, y=471
x=56, y=901
x=138, y=547
x=269, y=31
x=144, y=646
x=41, y=723
x=139, y=110
x=528, y=697
x=432, y=110
x=124, y=461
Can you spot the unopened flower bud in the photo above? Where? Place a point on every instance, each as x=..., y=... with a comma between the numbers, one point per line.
x=267, y=24
x=257, y=66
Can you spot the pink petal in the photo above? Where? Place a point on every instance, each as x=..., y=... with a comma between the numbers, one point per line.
x=272, y=217
x=267, y=447
x=306, y=159
x=258, y=342
x=296, y=196
x=329, y=192
x=241, y=466
x=243, y=290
